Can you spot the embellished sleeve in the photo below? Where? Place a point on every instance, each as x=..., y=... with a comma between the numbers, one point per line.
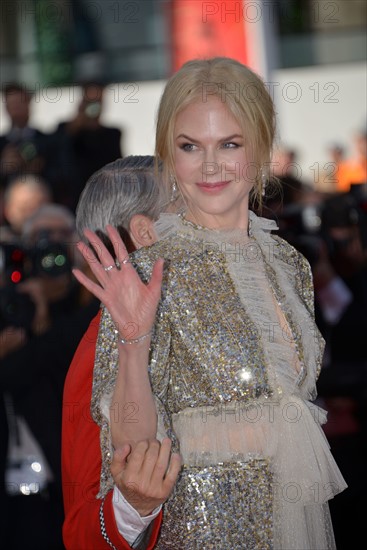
x=160, y=360
x=301, y=273
x=305, y=288
x=159, y=371
x=300, y=278
x=104, y=377
x=304, y=283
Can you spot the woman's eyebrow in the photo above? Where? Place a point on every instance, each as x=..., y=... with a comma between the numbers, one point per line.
x=227, y=138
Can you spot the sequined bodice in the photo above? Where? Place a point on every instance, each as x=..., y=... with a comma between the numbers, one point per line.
x=221, y=334
x=204, y=338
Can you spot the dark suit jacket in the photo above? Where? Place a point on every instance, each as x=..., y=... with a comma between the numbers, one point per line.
x=83, y=153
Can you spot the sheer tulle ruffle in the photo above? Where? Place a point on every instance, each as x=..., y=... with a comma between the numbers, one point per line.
x=286, y=431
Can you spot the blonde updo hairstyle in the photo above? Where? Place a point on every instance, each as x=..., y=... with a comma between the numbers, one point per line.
x=245, y=95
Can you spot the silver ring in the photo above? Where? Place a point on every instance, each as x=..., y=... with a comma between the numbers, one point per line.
x=126, y=261
x=109, y=267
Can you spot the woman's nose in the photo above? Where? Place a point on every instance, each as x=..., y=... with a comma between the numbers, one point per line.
x=210, y=164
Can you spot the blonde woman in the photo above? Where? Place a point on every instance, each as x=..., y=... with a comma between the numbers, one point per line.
x=208, y=336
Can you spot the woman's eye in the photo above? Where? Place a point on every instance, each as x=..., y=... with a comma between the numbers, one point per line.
x=230, y=145
x=187, y=147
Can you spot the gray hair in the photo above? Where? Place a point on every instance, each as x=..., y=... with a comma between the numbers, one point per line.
x=117, y=192
x=49, y=210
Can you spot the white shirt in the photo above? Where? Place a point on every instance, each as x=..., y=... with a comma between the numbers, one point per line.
x=129, y=522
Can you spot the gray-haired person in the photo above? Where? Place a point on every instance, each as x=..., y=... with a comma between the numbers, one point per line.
x=123, y=194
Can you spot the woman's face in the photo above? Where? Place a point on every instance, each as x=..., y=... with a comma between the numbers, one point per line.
x=212, y=166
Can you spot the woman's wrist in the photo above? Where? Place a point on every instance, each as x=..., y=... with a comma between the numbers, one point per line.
x=136, y=351
x=137, y=340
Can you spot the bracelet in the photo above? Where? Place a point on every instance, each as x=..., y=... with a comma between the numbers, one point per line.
x=136, y=340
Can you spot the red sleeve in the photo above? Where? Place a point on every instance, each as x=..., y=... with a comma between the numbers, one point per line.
x=81, y=459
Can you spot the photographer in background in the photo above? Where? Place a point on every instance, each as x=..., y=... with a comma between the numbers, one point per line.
x=85, y=145
x=43, y=314
x=23, y=149
x=344, y=229
x=343, y=384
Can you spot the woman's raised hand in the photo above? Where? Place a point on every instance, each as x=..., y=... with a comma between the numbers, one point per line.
x=131, y=303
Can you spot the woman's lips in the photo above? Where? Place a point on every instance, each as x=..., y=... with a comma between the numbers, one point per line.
x=212, y=187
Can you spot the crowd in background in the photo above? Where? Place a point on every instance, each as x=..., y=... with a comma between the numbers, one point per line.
x=44, y=312
x=329, y=226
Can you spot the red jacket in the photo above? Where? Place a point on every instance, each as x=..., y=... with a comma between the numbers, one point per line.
x=81, y=459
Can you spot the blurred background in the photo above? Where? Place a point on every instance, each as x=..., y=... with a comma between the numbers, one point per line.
x=312, y=53
x=80, y=84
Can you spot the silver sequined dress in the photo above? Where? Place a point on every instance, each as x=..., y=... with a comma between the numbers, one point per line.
x=234, y=360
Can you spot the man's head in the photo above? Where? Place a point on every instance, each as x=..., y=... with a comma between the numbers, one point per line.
x=52, y=220
x=124, y=194
x=17, y=103
x=23, y=196
x=92, y=101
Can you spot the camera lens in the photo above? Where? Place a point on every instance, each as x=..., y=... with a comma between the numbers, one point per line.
x=51, y=259
x=53, y=262
x=93, y=110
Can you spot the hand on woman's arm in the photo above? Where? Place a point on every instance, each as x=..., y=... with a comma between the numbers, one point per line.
x=146, y=474
x=132, y=305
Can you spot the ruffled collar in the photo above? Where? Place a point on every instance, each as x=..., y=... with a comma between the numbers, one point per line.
x=256, y=223
x=168, y=224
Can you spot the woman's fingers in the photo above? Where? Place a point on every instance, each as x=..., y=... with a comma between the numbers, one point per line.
x=155, y=282
x=118, y=244
x=162, y=461
x=150, y=459
x=93, y=262
x=147, y=474
x=157, y=272
x=94, y=241
x=137, y=457
x=104, y=264
x=103, y=254
x=120, y=290
x=119, y=461
x=166, y=469
x=172, y=472
x=95, y=289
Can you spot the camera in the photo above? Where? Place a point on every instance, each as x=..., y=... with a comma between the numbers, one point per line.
x=28, y=150
x=19, y=263
x=93, y=109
